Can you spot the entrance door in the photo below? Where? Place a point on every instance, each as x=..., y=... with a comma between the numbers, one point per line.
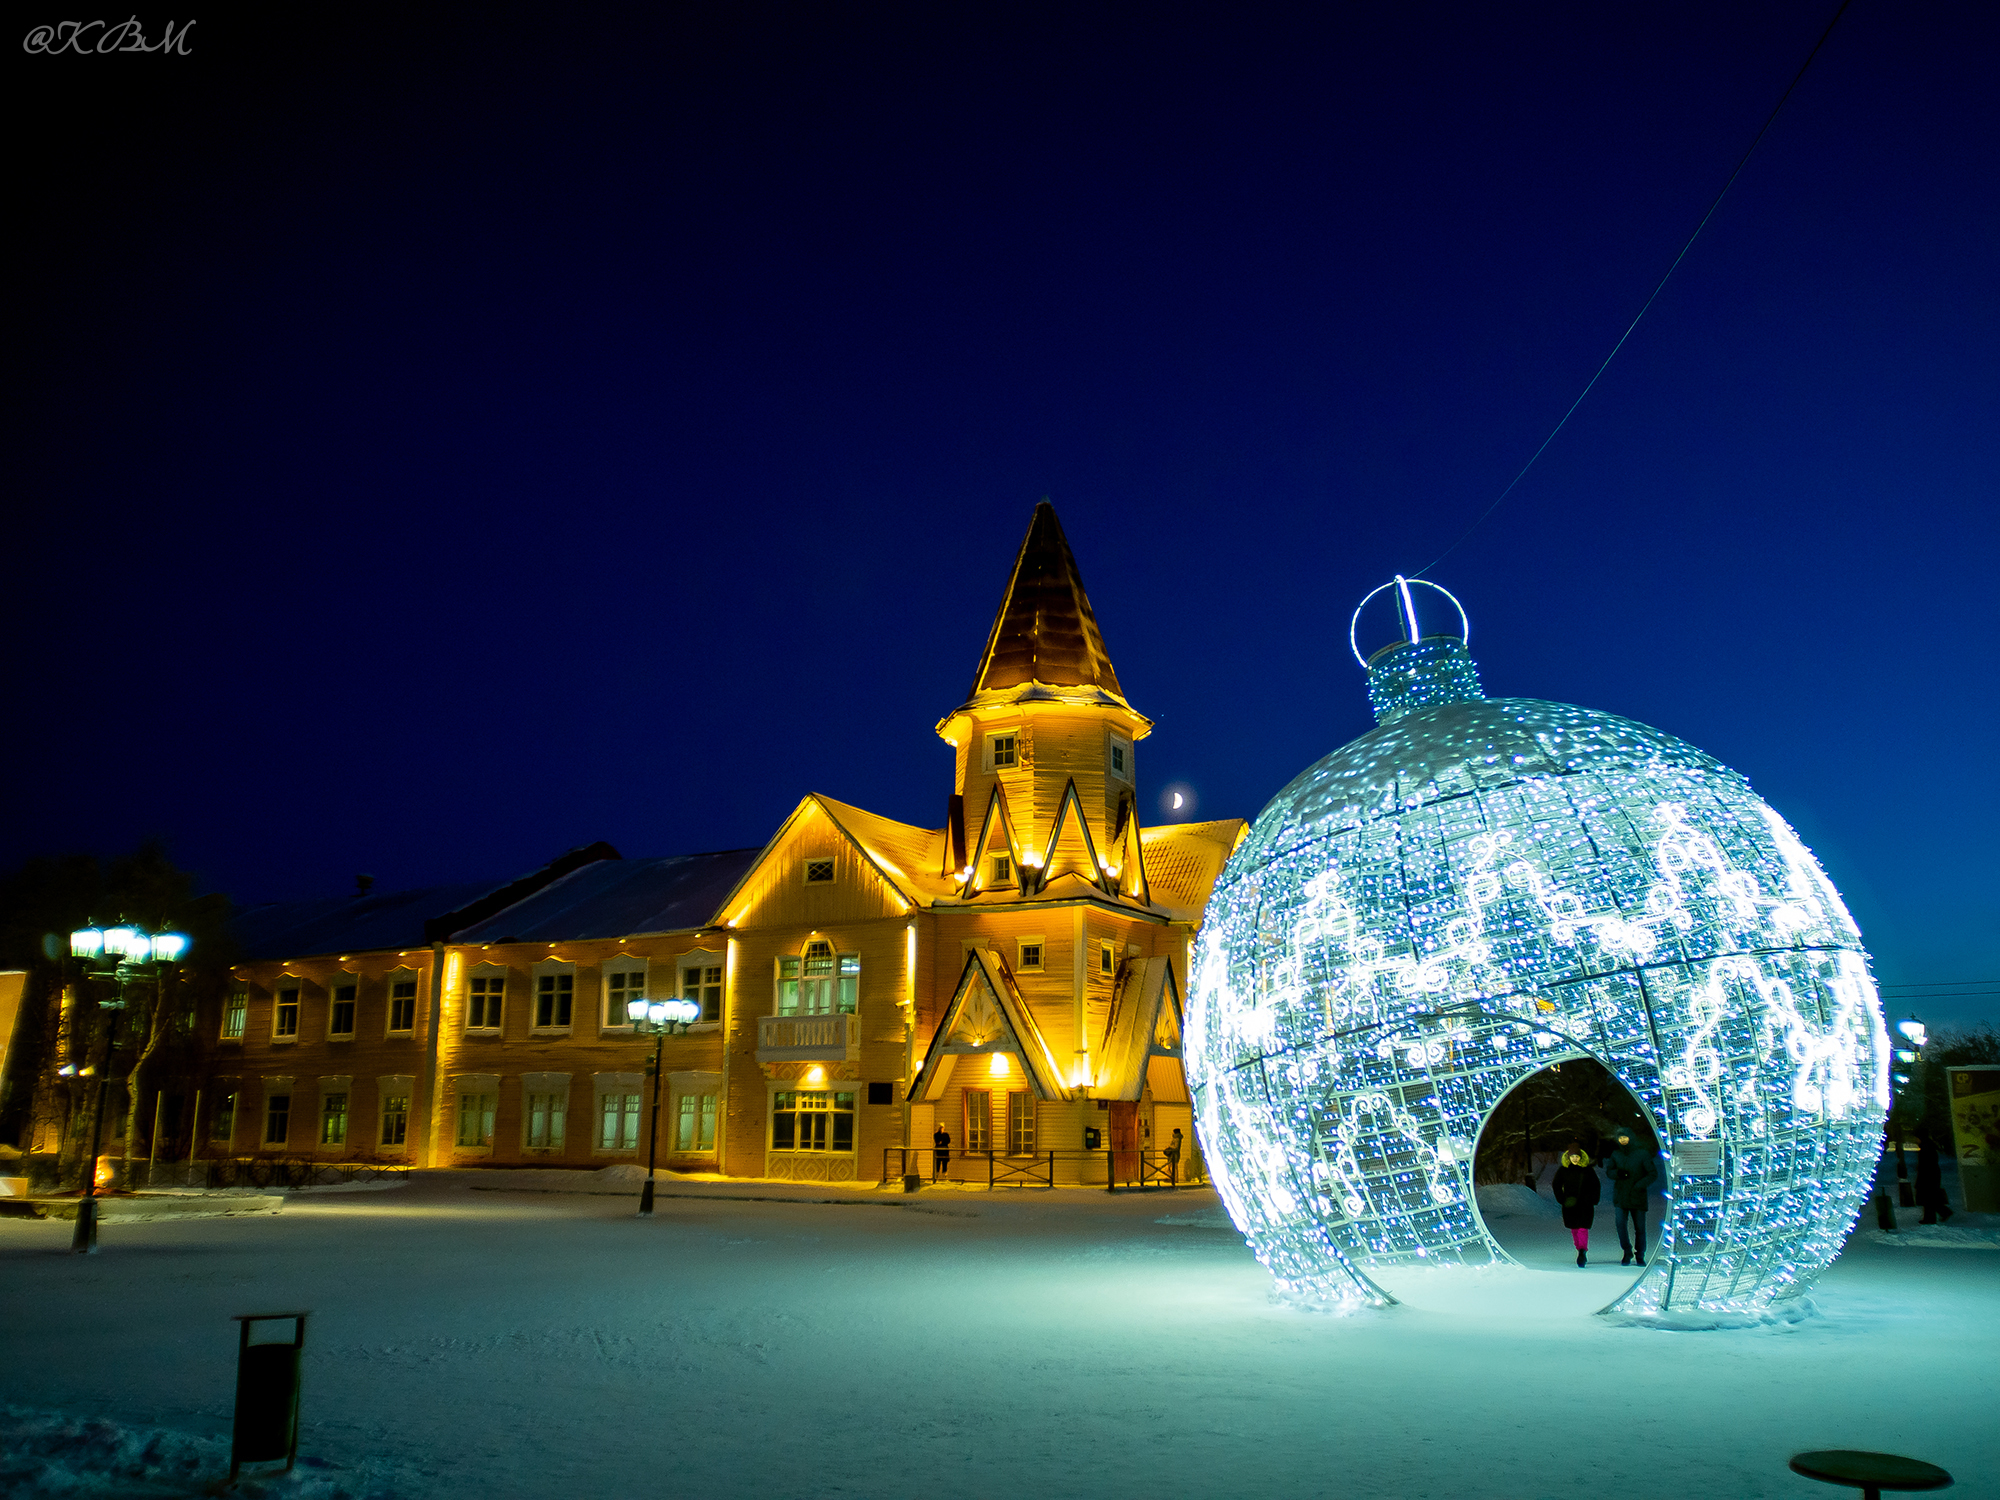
x=1124, y=1140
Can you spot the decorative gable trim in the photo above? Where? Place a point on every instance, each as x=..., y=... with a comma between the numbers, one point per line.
x=987, y=1015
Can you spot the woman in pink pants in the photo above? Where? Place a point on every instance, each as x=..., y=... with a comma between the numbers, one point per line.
x=1577, y=1189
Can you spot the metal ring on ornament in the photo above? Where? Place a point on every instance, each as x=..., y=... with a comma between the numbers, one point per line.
x=1402, y=587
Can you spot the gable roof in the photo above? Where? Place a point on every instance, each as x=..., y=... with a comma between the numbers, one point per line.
x=987, y=998
x=1145, y=1022
x=1184, y=860
x=1045, y=631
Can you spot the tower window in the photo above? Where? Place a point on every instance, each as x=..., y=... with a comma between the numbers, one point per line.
x=1031, y=953
x=1121, y=757
x=1106, y=960
x=1001, y=750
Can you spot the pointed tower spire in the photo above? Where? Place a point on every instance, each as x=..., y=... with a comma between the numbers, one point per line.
x=1045, y=631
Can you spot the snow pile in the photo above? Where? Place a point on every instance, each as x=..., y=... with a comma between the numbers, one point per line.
x=622, y=1177
x=47, y=1453
x=1938, y=1237
x=1208, y=1218
x=1515, y=1200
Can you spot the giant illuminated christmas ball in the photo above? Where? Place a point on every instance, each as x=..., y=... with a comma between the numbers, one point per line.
x=1476, y=889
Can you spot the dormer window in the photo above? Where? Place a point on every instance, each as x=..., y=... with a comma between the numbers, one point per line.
x=1003, y=869
x=819, y=872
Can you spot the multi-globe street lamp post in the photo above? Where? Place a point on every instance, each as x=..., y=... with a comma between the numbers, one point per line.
x=132, y=954
x=658, y=1019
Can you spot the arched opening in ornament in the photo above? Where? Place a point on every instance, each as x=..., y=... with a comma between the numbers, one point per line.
x=1573, y=1103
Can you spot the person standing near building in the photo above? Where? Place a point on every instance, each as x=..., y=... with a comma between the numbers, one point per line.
x=1930, y=1181
x=941, y=1149
x=1577, y=1189
x=1633, y=1171
x=1174, y=1157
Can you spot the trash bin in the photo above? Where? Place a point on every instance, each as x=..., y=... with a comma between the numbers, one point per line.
x=267, y=1394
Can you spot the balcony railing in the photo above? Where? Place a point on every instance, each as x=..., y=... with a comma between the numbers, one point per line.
x=808, y=1038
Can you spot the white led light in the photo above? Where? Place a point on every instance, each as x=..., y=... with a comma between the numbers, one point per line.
x=1477, y=889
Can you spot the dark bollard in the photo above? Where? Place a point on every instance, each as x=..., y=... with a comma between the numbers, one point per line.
x=267, y=1395
x=84, y=1240
x=1885, y=1213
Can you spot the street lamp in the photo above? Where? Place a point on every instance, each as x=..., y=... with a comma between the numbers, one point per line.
x=132, y=954
x=658, y=1019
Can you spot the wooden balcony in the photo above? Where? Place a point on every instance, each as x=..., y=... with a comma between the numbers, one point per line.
x=808, y=1039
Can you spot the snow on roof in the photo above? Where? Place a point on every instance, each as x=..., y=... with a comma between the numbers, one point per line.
x=618, y=898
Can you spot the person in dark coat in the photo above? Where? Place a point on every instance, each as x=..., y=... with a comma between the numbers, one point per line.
x=1577, y=1189
x=1632, y=1173
x=1930, y=1181
x=941, y=1152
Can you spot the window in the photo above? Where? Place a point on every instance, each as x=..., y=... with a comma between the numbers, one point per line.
x=819, y=871
x=618, y=1122
x=482, y=1007
x=812, y=1120
x=340, y=1021
x=285, y=1021
x=1021, y=1123
x=277, y=1119
x=1030, y=954
x=621, y=987
x=553, y=994
x=701, y=982
x=1003, y=869
x=819, y=983
x=1121, y=757
x=547, y=1114
x=222, y=1124
x=1002, y=751
x=979, y=1119
x=694, y=1129
x=403, y=1005
x=1107, y=959
x=395, y=1119
x=475, y=1119
x=333, y=1120
x=234, y=1010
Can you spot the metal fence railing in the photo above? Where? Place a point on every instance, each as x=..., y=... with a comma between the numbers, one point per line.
x=1109, y=1169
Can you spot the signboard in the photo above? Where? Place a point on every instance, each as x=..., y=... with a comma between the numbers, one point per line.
x=1975, y=1126
x=1697, y=1158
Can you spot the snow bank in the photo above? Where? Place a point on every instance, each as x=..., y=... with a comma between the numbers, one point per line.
x=1515, y=1200
x=1937, y=1237
x=46, y=1453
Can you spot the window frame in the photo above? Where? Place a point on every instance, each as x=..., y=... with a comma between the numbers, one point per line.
x=1114, y=743
x=1021, y=1124
x=484, y=1087
x=545, y=983
x=395, y=977
x=1001, y=750
x=391, y=1088
x=619, y=1086
x=624, y=966
x=1000, y=870
x=979, y=1140
x=838, y=982
x=271, y=1114
x=698, y=961
x=235, y=1008
x=484, y=975
x=1107, y=960
x=819, y=870
x=552, y=1091
x=1039, y=945
x=225, y=1108
x=279, y=1005
x=827, y=1118
x=694, y=1087
x=328, y=1113
x=352, y=984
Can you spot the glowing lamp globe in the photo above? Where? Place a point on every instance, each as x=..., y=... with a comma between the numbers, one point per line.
x=1477, y=889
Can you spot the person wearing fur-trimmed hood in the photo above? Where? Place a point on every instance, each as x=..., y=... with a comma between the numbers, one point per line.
x=1576, y=1188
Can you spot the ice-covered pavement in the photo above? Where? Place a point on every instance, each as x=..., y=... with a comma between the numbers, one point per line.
x=501, y=1343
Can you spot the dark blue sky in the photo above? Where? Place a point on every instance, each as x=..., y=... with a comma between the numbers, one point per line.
x=442, y=440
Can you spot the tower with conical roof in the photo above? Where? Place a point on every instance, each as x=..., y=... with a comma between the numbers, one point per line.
x=1045, y=790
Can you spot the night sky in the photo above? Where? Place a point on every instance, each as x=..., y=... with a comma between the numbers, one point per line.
x=438, y=440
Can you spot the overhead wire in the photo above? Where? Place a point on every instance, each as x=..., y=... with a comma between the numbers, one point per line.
x=1741, y=163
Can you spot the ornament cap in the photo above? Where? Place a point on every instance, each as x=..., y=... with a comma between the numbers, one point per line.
x=1419, y=671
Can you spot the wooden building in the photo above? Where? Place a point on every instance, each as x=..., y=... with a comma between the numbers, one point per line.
x=1013, y=977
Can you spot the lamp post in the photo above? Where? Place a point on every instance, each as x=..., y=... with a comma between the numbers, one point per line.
x=131, y=953
x=658, y=1019
x=1907, y=1074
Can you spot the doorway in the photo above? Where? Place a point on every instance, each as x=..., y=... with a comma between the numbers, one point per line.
x=1574, y=1102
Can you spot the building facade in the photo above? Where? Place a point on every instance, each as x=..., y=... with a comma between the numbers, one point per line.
x=1012, y=978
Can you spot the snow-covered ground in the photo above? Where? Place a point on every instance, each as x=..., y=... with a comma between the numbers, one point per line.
x=479, y=1334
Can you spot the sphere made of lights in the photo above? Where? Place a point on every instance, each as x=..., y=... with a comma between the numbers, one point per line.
x=1477, y=889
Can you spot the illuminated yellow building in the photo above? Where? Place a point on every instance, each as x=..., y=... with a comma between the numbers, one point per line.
x=1012, y=979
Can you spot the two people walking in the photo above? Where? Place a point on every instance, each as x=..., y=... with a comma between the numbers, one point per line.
x=1577, y=1189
